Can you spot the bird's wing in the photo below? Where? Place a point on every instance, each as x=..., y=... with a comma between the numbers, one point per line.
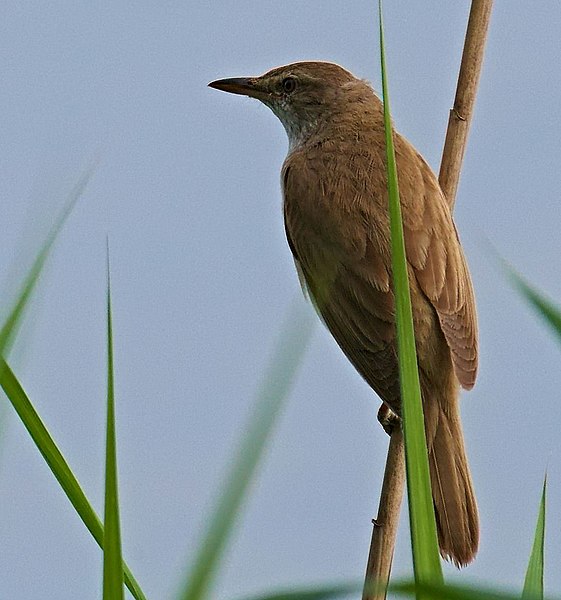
x=434, y=251
x=344, y=257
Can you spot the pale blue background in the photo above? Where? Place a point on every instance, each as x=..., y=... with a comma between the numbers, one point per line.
x=188, y=190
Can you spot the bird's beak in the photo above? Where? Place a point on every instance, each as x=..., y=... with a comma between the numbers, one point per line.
x=246, y=86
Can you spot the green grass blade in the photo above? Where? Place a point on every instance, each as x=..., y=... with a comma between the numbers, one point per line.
x=57, y=464
x=450, y=592
x=426, y=558
x=402, y=588
x=533, y=583
x=270, y=399
x=21, y=403
x=551, y=314
x=10, y=326
x=327, y=592
x=546, y=309
x=112, y=557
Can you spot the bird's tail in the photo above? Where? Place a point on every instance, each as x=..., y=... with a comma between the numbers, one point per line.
x=455, y=506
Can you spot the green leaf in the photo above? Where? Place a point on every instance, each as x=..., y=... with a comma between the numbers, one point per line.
x=327, y=592
x=57, y=463
x=533, y=583
x=451, y=592
x=11, y=325
x=401, y=588
x=270, y=399
x=21, y=403
x=112, y=557
x=548, y=311
x=426, y=558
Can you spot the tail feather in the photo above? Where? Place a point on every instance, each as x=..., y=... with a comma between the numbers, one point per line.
x=452, y=490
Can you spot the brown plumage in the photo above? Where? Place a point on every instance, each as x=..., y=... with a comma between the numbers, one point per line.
x=337, y=225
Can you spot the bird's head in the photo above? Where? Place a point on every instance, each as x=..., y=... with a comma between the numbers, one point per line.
x=303, y=95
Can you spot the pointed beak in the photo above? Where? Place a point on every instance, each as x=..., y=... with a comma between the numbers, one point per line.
x=246, y=86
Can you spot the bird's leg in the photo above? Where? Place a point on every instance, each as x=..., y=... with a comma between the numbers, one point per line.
x=388, y=419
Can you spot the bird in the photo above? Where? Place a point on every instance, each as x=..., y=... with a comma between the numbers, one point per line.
x=335, y=205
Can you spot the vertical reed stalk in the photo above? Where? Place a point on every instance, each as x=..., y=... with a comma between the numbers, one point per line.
x=385, y=525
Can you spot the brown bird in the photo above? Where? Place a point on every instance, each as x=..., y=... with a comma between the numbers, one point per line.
x=337, y=224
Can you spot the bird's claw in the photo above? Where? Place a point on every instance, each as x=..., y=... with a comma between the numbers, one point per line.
x=388, y=419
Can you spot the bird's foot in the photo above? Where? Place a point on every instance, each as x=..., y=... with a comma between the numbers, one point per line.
x=388, y=419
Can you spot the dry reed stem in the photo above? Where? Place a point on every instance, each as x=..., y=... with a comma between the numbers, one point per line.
x=385, y=526
x=462, y=111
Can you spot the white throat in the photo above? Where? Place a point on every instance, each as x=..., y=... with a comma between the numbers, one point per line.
x=298, y=131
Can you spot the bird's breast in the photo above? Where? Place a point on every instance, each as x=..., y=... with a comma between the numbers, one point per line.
x=335, y=198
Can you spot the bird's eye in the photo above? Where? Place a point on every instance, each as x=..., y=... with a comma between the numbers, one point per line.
x=288, y=85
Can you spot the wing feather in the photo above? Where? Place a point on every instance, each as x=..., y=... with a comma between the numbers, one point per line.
x=342, y=252
x=440, y=266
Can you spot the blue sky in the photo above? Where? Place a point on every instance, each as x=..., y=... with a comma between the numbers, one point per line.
x=188, y=190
